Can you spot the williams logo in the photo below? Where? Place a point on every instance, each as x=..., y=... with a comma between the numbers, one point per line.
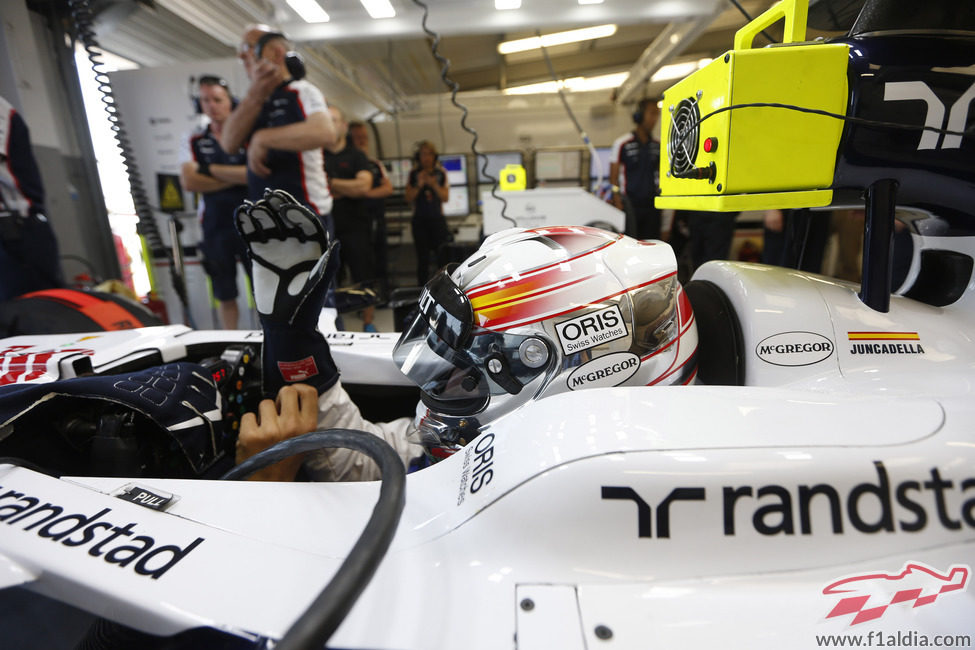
x=868, y=596
x=885, y=343
x=794, y=349
x=610, y=370
x=590, y=330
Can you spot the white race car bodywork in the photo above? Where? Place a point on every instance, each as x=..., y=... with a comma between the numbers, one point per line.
x=698, y=516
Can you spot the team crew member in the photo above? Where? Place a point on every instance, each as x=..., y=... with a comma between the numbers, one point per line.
x=375, y=200
x=349, y=179
x=635, y=162
x=427, y=190
x=284, y=122
x=221, y=179
x=29, y=259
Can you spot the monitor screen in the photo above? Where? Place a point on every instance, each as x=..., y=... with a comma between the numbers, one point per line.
x=496, y=161
x=398, y=170
x=455, y=165
x=558, y=165
x=458, y=202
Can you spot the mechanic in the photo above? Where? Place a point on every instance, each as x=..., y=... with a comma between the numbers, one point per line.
x=635, y=163
x=474, y=352
x=427, y=190
x=29, y=259
x=221, y=179
x=381, y=188
x=349, y=179
x=283, y=121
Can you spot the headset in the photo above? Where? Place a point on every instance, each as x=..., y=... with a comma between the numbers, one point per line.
x=208, y=80
x=292, y=60
x=641, y=108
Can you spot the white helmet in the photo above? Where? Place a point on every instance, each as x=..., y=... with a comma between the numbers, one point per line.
x=538, y=312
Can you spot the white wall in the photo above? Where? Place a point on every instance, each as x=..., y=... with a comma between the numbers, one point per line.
x=505, y=122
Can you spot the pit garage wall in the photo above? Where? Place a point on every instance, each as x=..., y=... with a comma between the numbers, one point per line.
x=31, y=80
x=504, y=122
x=159, y=118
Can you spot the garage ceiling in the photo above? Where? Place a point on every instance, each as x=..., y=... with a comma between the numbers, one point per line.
x=388, y=61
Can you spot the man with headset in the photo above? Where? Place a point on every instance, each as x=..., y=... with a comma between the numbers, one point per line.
x=375, y=200
x=221, y=180
x=284, y=121
x=349, y=179
x=637, y=155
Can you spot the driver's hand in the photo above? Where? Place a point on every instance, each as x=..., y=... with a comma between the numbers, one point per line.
x=294, y=412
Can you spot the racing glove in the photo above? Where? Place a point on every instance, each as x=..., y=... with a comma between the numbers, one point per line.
x=294, y=263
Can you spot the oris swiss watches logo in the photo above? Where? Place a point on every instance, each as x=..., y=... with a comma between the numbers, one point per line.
x=794, y=349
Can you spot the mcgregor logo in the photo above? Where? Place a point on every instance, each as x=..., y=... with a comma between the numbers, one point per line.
x=867, y=597
x=610, y=370
x=794, y=349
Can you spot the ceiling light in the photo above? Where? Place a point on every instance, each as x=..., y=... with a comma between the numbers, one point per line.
x=558, y=38
x=678, y=70
x=309, y=10
x=572, y=84
x=501, y=5
x=379, y=8
x=590, y=2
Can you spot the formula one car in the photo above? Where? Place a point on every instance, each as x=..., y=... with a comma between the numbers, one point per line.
x=815, y=487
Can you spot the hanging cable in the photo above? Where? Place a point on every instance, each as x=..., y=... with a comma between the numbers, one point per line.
x=691, y=128
x=145, y=226
x=454, y=87
x=572, y=116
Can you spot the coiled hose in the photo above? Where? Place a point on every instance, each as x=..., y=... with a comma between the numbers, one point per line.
x=454, y=87
x=84, y=19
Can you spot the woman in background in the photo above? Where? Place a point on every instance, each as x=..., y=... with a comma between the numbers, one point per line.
x=427, y=190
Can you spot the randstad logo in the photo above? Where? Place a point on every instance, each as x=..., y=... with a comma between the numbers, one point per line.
x=868, y=596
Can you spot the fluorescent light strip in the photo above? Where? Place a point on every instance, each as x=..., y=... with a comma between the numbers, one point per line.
x=379, y=8
x=309, y=10
x=573, y=84
x=558, y=38
x=678, y=70
x=590, y=2
x=502, y=5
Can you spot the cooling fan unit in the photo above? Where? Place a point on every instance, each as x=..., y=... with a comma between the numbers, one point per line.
x=724, y=155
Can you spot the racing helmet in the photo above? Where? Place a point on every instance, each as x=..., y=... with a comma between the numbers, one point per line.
x=538, y=312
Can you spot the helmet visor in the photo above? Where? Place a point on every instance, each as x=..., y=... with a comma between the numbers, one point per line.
x=458, y=370
x=442, y=372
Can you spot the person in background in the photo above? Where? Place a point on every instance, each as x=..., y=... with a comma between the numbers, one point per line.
x=635, y=163
x=795, y=239
x=375, y=200
x=221, y=180
x=284, y=122
x=709, y=233
x=29, y=258
x=427, y=191
x=349, y=179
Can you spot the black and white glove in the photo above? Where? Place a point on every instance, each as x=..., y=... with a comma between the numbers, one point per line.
x=294, y=263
